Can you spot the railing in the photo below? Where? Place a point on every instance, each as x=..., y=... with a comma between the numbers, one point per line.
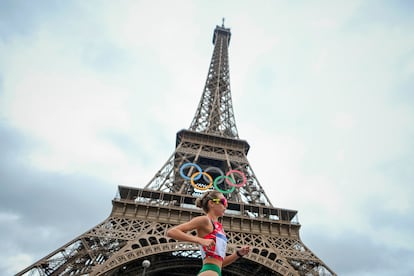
x=158, y=198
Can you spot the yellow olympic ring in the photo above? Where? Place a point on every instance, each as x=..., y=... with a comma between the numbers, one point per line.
x=200, y=187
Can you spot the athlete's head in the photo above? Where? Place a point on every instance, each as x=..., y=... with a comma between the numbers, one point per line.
x=214, y=196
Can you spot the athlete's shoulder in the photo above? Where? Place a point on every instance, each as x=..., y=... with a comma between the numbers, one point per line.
x=202, y=219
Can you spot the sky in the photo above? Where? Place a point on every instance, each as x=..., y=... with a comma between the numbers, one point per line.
x=93, y=92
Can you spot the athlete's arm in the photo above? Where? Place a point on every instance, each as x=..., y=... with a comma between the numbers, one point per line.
x=180, y=232
x=233, y=257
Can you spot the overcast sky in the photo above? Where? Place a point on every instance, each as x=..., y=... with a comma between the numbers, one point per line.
x=92, y=94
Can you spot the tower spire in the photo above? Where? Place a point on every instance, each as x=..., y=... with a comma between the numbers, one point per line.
x=212, y=142
x=214, y=114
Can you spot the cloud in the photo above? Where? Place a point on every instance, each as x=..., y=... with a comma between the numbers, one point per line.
x=15, y=263
x=354, y=253
x=53, y=207
x=91, y=96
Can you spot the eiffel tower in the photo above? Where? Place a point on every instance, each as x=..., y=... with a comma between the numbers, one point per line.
x=208, y=155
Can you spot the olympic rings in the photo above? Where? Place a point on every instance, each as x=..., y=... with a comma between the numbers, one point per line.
x=228, y=177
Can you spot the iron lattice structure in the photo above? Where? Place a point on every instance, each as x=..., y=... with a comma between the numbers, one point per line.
x=209, y=151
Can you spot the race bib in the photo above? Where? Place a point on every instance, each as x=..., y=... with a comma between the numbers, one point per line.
x=221, y=245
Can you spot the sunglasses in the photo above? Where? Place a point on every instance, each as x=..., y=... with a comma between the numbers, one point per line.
x=222, y=201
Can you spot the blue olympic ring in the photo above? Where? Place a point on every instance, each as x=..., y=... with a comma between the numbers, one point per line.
x=189, y=165
x=207, y=178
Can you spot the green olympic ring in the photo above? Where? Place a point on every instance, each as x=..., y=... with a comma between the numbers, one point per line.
x=220, y=190
x=207, y=177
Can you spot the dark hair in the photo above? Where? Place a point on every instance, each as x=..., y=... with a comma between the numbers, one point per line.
x=202, y=202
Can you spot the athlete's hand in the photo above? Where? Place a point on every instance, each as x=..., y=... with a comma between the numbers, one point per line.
x=244, y=250
x=208, y=243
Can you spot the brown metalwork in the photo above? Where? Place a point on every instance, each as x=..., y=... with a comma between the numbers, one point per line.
x=135, y=230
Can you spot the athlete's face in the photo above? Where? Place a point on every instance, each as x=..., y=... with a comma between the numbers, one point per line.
x=219, y=205
x=220, y=200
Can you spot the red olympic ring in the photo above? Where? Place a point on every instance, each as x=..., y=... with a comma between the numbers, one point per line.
x=238, y=172
x=201, y=187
